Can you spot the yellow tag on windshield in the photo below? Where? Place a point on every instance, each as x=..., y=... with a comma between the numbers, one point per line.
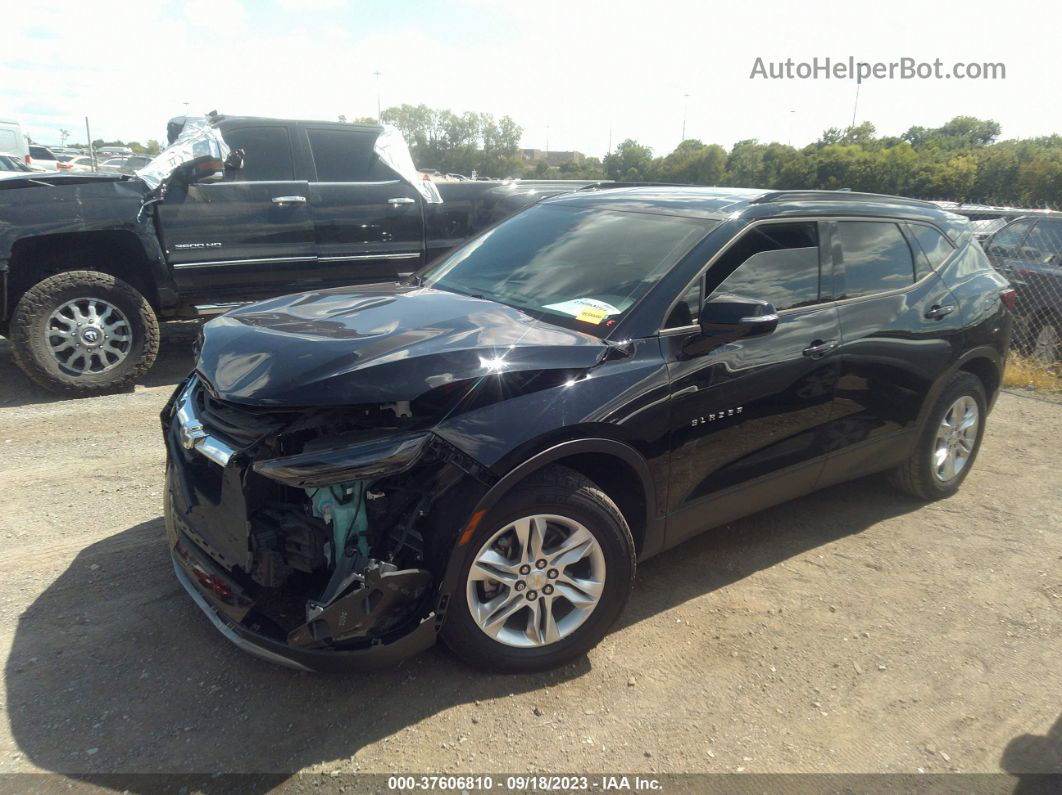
x=592, y=314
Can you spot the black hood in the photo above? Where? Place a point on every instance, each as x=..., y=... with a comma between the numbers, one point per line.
x=20, y=179
x=359, y=345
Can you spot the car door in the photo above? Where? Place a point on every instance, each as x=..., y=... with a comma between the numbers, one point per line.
x=900, y=329
x=748, y=417
x=250, y=235
x=369, y=222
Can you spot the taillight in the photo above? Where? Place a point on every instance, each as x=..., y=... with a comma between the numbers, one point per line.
x=64, y=165
x=1010, y=298
x=29, y=160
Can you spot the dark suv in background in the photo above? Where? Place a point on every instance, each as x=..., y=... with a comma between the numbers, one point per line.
x=1028, y=251
x=486, y=449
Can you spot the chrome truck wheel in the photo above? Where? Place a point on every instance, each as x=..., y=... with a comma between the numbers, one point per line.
x=88, y=335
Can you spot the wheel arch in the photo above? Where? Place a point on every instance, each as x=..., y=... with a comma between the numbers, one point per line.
x=116, y=252
x=986, y=365
x=617, y=468
x=584, y=455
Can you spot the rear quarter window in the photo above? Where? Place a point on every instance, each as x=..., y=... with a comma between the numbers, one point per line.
x=933, y=244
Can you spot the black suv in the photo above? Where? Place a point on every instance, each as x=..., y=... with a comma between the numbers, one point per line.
x=485, y=451
x=1028, y=251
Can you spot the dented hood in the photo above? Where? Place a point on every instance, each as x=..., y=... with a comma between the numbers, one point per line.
x=376, y=344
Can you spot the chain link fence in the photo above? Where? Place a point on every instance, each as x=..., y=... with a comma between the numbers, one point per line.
x=1025, y=246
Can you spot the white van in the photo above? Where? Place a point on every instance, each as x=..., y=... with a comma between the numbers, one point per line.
x=12, y=141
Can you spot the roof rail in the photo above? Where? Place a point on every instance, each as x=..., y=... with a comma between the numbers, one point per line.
x=840, y=195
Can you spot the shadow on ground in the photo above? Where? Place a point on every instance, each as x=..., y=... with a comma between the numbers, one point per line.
x=173, y=363
x=1034, y=755
x=113, y=669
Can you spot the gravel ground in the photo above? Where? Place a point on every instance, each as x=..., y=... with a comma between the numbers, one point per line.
x=851, y=630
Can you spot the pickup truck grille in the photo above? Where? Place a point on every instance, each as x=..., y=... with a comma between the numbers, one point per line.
x=239, y=425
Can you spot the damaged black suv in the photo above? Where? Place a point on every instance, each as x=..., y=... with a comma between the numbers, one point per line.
x=486, y=450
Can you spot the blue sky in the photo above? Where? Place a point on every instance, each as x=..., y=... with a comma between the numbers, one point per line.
x=569, y=72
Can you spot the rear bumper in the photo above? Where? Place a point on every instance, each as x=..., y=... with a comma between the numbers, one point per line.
x=193, y=568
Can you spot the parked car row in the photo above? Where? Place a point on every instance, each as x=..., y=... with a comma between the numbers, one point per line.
x=237, y=209
x=1028, y=252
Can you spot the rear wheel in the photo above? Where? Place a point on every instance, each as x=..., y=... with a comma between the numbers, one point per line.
x=546, y=574
x=84, y=333
x=949, y=443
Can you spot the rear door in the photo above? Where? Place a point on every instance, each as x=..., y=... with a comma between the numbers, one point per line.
x=900, y=328
x=248, y=236
x=748, y=417
x=369, y=223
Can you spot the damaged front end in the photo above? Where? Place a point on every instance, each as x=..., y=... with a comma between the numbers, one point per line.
x=314, y=536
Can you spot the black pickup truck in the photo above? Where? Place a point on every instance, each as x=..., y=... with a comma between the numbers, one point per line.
x=235, y=209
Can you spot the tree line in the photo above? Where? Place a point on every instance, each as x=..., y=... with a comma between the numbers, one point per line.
x=963, y=160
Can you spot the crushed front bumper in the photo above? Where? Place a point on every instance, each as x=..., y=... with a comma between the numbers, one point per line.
x=221, y=599
x=206, y=519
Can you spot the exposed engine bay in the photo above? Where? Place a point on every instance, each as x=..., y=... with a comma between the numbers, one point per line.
x=310, y=559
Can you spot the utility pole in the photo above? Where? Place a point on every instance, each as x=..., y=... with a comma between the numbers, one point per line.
x=685, y=109
x=855, y=107
x=92, y=149
x=379, y=113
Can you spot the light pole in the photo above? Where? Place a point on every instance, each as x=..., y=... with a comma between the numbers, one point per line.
x=379, y=113
x=789, y=141
x=685, y=109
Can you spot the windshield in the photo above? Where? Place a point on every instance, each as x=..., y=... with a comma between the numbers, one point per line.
x=580, y=268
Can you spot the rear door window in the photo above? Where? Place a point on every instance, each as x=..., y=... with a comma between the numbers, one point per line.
x=1006, y=243
x=266, y=154
x=345, y=156
x=873, y=257
x=1043, y=246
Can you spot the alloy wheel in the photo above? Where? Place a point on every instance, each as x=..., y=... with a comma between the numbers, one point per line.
x=88, y=336
x=536, y=581
x=956, y=438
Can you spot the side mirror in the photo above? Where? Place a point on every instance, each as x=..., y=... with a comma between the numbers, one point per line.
x=207, y=168
x=727, y=318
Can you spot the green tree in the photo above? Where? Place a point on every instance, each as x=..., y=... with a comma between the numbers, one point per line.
x=631, y=162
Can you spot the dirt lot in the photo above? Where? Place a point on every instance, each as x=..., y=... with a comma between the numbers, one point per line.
x=852, y=630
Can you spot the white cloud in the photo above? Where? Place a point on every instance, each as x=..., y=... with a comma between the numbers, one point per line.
x=564, y=70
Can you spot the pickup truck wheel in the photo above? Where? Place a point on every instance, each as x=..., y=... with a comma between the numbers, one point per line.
x=545, y=575
x=84, y=333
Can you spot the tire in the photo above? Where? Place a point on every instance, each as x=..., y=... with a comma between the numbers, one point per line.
x=918, y=475
x=131, y=333
x=567, y=498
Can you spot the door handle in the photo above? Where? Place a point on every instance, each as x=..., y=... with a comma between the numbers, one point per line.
x=289, y=200
x=936, y=312
x=400, y=201
x=820, y=348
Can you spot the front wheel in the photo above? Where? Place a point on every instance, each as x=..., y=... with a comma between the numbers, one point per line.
x=545, y=575
x=84, y=333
